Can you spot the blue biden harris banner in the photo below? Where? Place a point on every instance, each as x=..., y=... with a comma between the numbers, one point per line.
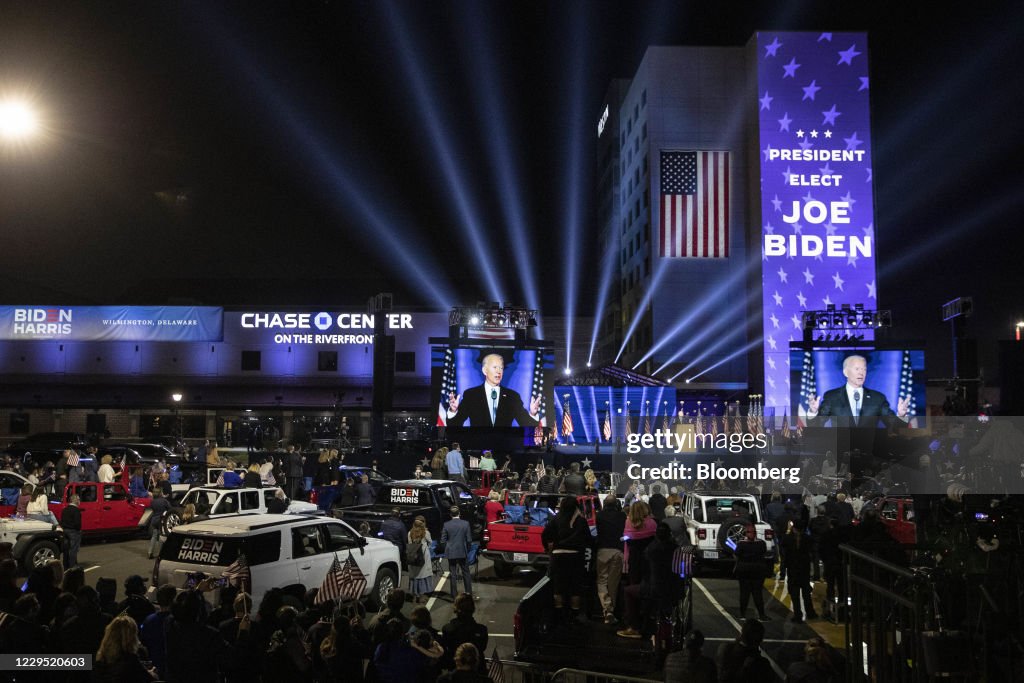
x=112, y=323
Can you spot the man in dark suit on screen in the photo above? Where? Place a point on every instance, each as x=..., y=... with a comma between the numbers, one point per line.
x=490, y=404
x=853, y=402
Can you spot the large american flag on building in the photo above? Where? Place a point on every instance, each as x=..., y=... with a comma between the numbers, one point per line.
x=343, y=582
x=694, y=204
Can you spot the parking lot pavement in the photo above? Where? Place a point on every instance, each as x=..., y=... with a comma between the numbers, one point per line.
x=716, y=601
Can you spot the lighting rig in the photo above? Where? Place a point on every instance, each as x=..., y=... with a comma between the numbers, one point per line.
x=847, y=324
x=493, y=315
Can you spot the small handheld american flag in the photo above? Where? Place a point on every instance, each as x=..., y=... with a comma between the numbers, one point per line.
x=495, y=669
x=343, y=582
x=238, y=572
x=73, y=459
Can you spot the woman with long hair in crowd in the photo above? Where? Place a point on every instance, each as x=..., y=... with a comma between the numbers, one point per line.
x=639, y=524
x=438, y=468
x=421, y=576
x=117, y=660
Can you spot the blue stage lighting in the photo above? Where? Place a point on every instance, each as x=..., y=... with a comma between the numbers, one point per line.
x=604, y=287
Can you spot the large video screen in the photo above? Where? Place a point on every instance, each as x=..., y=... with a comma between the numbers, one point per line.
x=892, y=374
x=487, y=386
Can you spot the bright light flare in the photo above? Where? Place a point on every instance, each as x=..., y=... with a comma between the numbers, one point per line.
x=18, y=120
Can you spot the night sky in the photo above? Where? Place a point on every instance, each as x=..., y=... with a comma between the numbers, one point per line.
x=287, y=154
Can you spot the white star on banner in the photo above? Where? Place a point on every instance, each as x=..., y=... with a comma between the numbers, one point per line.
x=851, y=260
x=848, y=198
x=797, y=323
x=838, y=280
x=777, y=297
x=782, y=274
x=775, y=321
x=827, y=301
x=808, y=276
x=871, y=290
x=777, y=203
x=771, y=382
x=586, y=462
x=771, y=362
x=719, y=462
x=830, y=229
x=801, y=299
x=771, y=343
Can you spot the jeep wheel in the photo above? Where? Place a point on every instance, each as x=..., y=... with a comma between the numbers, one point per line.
x=382, y=587
x=502, y=569
x=170, y=520
x=732, y=530
x=39, y=553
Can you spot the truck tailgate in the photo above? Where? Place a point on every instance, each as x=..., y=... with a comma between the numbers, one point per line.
x=515, y=538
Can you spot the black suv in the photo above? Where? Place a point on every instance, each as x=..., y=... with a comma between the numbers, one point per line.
x=46, y=446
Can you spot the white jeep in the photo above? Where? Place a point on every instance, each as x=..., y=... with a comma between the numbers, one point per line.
x=717, y=521
x=33, y=542
x=217, y=501
x=290, y=552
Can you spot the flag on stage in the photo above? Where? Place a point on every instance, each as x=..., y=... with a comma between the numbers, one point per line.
x=237, y=573
x=907, y=388
x=566, y=421
x=647, y=422
x=607, y=429
x=73, y=459
x=448, y=387
x=495, y=669
x=808, y=389
x=737, y=420
x=694, y=204
x=343, y=581
x=664, y=422
x=538, y=389
x=714, y=424
x=786, y=433
x=700, y=419
x=538, y=435
x=629, y=424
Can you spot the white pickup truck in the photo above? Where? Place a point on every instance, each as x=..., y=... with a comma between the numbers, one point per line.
x=290, y=552
x=216, y=501
x=717, y=521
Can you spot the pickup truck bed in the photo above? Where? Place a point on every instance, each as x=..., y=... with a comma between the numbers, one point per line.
x=515, y=540
x=432, y=498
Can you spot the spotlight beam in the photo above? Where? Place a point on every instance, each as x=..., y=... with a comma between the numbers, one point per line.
x=604, y=286
x=485, y=73
x=573, y=191
x=402, y=248
x=641, y=307
x=439, y=139
x=712, y=299
x=735, y=354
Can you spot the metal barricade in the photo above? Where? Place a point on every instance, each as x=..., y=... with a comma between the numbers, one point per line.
x=581, y=676
x=888, y=612
x=521, y=672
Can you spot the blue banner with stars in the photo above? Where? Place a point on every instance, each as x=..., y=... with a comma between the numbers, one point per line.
x=817, y=210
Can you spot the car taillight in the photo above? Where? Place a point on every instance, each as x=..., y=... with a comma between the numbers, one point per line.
x=156, y=574
x=313, y=496
x=702, y=534
x=769, y=534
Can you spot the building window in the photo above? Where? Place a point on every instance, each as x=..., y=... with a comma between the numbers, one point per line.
x=643, y=97
x=20, y=423
x=95, y=423
x=251, y=360
x=327, y=361
x=647, y=197
x=643, y=131
x=636, y=111
x=405, y=361
x=647, y=264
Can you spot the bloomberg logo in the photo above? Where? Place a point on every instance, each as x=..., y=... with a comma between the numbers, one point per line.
x=42, y=321
x=322, y=321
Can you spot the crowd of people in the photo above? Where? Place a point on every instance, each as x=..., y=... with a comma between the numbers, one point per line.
x=184, y=638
